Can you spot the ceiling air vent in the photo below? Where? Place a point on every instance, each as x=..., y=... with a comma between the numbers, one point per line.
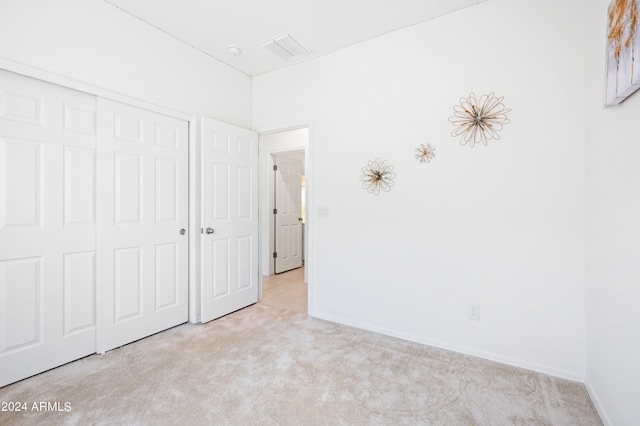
x=284, y=47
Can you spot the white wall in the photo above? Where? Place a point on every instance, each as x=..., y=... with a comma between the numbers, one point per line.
x=501, y=226
x=95, y=43
x=613, y=239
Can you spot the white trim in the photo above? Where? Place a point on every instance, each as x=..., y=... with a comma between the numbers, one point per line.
x=194, y=220
x=284, y=129
x=81, y=86
x=284, y=126
x=309, y=192
x=564, y=374
x=597, y=403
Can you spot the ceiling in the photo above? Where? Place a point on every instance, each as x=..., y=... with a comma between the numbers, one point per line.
x=320, y=26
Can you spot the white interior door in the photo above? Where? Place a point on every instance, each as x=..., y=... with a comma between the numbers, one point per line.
x=47, y=226
x=142, y=222
x=288, y=214
x=229, y=239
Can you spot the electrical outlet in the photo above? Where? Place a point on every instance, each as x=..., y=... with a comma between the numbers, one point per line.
x=474, y=312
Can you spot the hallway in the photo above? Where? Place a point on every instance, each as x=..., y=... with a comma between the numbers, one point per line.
x=287, y=290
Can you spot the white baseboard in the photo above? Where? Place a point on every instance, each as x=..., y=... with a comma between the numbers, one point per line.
x=564, y=374
x=597, y=403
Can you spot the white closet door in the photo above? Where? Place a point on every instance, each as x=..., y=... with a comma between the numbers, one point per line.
x=142, y=222
x=47, y=226
x=229, y=219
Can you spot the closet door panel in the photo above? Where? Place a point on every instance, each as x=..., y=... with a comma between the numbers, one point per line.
x=142, y=208
x=47, y=226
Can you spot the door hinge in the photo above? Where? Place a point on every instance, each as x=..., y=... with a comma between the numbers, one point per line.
x=275, y=167
x=275, y=211
x=275, y=255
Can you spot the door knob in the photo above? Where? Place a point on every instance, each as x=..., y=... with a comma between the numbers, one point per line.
x=182, y=231
x=209, y=230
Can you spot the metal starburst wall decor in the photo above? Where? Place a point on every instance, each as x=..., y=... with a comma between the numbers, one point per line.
x=376, y=176
x=425, y=153
x=478, y=120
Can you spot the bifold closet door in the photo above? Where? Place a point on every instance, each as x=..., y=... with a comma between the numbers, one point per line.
x=142, y=223
x=47, y=226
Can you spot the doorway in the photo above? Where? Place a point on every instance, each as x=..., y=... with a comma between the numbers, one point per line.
x=288, y=148
x=286, y=291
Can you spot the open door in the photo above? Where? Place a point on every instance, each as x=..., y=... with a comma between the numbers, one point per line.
x=287, y=213
x=229, y=240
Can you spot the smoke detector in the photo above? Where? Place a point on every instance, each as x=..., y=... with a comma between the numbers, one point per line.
x=284, y=47
x=234, y=50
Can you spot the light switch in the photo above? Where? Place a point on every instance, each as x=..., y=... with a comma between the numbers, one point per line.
x=322, y=212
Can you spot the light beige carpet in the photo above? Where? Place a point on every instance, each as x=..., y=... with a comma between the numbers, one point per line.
x=268, y=366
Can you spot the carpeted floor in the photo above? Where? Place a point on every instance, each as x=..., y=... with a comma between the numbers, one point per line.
x=269, y=366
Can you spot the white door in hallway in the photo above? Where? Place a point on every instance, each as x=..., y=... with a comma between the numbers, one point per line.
x=47, y=226
x=288, y=216
x=229, y=239
x=142, y=223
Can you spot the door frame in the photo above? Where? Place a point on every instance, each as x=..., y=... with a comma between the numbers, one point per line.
x=266, y=175
x=193, y=162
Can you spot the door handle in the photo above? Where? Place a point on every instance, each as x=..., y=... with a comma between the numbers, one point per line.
x=209, y=231
x=183, y=231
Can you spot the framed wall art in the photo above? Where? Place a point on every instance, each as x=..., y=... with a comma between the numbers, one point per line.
x=623, y=51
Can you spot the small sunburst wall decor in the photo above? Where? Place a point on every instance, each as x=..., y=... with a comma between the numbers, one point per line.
x=479, y=120
x=424, y=154
x=377, y=176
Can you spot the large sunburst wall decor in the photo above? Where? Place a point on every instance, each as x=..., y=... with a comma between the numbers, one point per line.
x=425, y=153
x=478, y=120
x=377, y=176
